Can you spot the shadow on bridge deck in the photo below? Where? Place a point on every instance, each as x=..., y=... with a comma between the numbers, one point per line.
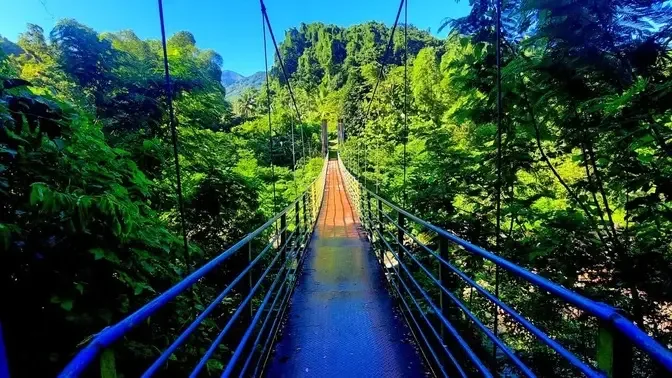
x=342, y=321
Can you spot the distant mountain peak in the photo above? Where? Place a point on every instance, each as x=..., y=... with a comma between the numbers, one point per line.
x=236, y=83
x=9, y=47
x=230, y=77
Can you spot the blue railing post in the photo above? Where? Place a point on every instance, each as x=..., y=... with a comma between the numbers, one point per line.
x=369, y=216
x=312, y=203
x=614, y=352
x=297, y=218
x=362, y=191
x=299, y=236
x=250, y=278
x=401, y=220
x=283, y=237
x=444, y=301
x=305, y=212
x=448, y=280
x=4, y=362
x=443, y=278
x=246, y=285
x=380, y=228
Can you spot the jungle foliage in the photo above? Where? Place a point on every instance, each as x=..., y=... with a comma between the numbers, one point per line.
x=90, y=228
x=586, y=165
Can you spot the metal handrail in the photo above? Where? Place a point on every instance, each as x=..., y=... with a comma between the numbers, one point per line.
x=452, y=330
x=4, y=363
x=111, y=334
x=615, y=323
x=467, y=312
x=513, y=313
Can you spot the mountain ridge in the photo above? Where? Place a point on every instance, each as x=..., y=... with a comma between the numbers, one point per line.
x=230, y=77
x=236, y=83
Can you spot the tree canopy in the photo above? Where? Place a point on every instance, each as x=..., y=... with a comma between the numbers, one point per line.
x=90, y=226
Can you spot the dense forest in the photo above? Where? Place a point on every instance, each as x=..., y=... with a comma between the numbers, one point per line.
x=586, y=153
x=235, y=84
x=90, y=226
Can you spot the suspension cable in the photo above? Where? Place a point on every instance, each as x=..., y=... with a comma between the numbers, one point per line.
x=498, y=191
x=380, y=76
x=173, y=131
x=405, y=136
x=268, y=105
x=267, y=22
x=284, y=72
x=382, y=65
x=296, y=190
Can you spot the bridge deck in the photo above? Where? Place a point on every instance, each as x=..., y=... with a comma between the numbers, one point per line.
x=342, y=321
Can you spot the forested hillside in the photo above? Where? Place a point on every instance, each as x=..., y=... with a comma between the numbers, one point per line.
x=230, y=77
x=587, y=156
x=90, y=226
x=236, y=86
x=586, y=152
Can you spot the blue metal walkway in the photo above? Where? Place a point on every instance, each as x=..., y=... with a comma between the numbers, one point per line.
x=342, y=321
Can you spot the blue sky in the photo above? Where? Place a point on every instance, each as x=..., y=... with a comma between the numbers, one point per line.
x=231, y=27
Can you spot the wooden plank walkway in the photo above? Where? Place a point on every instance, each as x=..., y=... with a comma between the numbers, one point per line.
x=342, y=322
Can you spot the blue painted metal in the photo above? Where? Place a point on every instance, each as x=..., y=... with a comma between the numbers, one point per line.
x=163, y=358
x=110, y=335
x=524, y=369
x=277, y=296
x=515, y=315
x=450, y=355
x=236, y=314
x=257, y=340
x=436, y=358
x=248, y=332
x=453, y=331
x=601, y=311
x=277, y=319
x=342, y=321
x=4, y=363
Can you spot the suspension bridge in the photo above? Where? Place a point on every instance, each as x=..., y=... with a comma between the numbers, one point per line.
x=342, y=299
x=344, y=282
